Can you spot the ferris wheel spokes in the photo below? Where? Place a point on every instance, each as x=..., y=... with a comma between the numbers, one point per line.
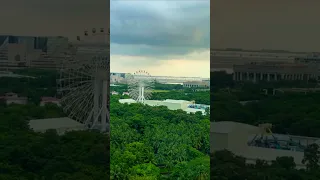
x=84, y=83
x=140, y=86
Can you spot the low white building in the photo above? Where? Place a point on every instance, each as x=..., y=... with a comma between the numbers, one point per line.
x=12, y=75
x=128, y=101
x=196, y=84
x=114, y=93
x=176, y=104
x=46, y=100
x=170, y=104
x=193, y=110
x=154, y=102
x=61, y=125
x=12, y=98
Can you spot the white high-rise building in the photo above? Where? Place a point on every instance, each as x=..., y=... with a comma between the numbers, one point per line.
x=27, y=51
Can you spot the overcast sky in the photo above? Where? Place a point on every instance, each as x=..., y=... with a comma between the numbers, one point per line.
x=250, y=24
x=53, y=17
x=164, y=37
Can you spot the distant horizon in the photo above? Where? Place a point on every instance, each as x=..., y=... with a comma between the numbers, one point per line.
x=162, y=75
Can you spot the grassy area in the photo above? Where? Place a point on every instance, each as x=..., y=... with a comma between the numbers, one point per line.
x=160, y=90
x=157, y=91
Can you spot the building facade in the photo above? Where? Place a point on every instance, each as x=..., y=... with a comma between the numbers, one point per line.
x=224, y=59
x=48, y=100
x=272, y=71
x=117, y=77
x=239, y=56
x=313, y=59
x=18, y=52
x=12, y=98
x=196, y=84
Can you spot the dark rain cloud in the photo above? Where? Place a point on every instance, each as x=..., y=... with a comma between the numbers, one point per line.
x=156, y=28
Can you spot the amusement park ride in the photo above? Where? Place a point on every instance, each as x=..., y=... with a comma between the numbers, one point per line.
x=267, y=139
x=83, y=82
x=140, y=85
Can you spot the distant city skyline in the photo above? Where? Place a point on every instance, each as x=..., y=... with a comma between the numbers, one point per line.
x=156, y=76
x=162, y=37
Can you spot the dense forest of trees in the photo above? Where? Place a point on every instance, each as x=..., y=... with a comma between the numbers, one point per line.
x=146, y=142
x=27, y=155
x=174, y=91
x=41, y=83
x=296, y=114
x=201, y=97
x=292, y=113
x=120, y=88
x=154, y=142
x=227, y=166
x=168, y=86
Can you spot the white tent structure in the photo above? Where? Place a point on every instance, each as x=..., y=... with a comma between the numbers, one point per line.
x=235, y=137
x=61, y=125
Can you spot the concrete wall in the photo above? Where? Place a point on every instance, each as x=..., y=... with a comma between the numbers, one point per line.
x=275, y=68
x=16, y=101
x=173, y=106
x=273, y=72
x=61, y=131
x=185, y=105
x=17, y=54
x=43, y=103
x=153, y=103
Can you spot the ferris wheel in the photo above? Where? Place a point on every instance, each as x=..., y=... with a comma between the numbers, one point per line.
x=140, y=85
x=83, y=85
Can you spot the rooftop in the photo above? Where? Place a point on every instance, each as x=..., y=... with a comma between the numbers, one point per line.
x=127, y=101
x=53, y=123
x=193, y=110
x=176, y=101
x=196, y=82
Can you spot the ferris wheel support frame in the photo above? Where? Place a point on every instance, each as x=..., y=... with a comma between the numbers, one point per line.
x=105, y=113
x=140, y=85
x=100, y=111
x=141, y=97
